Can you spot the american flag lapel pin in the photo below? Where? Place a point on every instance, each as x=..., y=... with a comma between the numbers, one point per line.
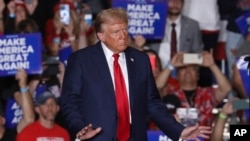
x=132, y=59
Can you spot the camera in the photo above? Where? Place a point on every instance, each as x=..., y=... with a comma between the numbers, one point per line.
x=64, y=11
x=51, y=70
x=241, y=104
x=51, y=67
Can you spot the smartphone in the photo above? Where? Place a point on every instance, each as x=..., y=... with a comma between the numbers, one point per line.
x=241, y=104
x=88, y=18
x=64, y=10
x=192, y=58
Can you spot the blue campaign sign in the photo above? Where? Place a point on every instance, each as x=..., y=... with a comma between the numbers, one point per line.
x=64, y=54
x=242, y=66
x=13, y=113
x=146, y=17
x=20, y=51
x=157, y=135
x=243, y=23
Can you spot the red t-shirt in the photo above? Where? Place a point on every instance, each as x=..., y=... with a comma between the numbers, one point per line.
x=36, y=132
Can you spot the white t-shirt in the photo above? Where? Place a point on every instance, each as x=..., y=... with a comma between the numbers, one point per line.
x=205, y=12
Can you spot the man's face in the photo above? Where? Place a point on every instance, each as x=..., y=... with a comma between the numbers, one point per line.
x=115, y=36
x=175, y=7
x=48, y=110
x=188, y=74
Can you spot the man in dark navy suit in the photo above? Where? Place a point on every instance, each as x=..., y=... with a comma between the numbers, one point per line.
x=89, y=88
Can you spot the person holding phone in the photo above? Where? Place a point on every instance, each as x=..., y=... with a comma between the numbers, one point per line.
x=63, y=30
x=222, y=118
x=189, y=92
x=18, y=11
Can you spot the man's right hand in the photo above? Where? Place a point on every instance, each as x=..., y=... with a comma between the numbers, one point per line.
x=177, y=60
x=88, y=132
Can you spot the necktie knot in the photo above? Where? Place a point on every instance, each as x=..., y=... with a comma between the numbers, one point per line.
x=116, y=56
x=173, y=25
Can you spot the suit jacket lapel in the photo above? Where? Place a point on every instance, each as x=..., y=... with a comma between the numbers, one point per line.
x=183, y=33
x=101, y=63
x=130, y=60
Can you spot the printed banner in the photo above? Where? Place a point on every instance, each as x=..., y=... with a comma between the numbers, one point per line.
x=242, y=65
x=20, y=51
x=13, y=113
x=154, y=135
x=243, y=23
x=146, y=17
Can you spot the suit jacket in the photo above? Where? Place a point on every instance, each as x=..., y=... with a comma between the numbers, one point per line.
x=88, y=96
x=190, y=37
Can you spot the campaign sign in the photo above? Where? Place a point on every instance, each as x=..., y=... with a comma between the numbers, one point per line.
x=242, y=66
x=20, y=51
x=64, y=54
x=243, y=23
x=13, y=113
x=146, y=17
x=154, y=135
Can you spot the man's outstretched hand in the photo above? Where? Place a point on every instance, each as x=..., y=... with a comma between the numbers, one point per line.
x=88, y=132
x=193, y=132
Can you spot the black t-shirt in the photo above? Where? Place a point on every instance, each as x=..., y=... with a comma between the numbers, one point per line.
x=190, y=95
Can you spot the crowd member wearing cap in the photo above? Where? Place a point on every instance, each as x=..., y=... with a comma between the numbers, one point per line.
x=18, y=10
x=45, y=128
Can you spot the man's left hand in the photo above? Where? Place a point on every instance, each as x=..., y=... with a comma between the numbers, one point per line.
x=196, y=131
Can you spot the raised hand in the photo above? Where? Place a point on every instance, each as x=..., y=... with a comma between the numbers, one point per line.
x=57, y=23
x=177, y=60
x=208, y=59
x=21, y=76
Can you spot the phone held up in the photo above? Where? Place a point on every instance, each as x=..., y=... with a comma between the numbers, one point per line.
x=64, y=11
x=192, y=58
x=88, y=17
x=241, y=104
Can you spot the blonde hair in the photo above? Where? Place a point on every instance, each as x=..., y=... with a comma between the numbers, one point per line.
x=110, y=16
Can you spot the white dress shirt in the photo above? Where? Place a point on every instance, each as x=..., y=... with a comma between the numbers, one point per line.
x=165, y=48
x=122, y=62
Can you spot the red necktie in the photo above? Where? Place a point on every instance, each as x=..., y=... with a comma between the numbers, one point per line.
x=123, y=131
x=173, y=41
